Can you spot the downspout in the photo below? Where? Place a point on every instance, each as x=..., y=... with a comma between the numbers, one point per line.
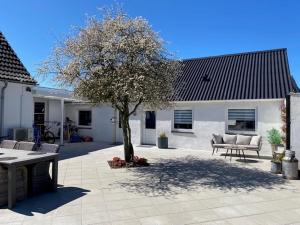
x=2, y=108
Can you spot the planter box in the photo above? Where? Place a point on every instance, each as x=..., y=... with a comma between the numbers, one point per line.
x=162, y=143
x=276, y=167
x=290, y=169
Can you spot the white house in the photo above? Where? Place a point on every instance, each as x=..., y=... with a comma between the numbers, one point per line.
x=16, y=102
x=236, y=93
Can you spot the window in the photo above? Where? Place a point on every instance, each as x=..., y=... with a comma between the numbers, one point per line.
x=85, y=118
x=241, y=119
x=150, y=120
x=183, y=119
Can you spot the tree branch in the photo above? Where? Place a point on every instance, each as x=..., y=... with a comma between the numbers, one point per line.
x=136, y=106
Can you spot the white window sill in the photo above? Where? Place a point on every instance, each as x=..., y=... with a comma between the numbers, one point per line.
x=241, y=132
x=187, y=131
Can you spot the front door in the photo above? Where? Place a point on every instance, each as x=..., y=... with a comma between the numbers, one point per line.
x=149, y=128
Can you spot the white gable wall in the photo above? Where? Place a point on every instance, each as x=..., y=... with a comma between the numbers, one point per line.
x=18, y=107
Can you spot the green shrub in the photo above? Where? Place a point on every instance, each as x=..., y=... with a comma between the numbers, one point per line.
x=274, y=137
x=163, y=135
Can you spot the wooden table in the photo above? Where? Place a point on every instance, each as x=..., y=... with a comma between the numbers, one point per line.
x=25, y=158
x=238, y=149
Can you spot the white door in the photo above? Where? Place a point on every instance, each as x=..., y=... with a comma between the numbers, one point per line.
x=149, y=128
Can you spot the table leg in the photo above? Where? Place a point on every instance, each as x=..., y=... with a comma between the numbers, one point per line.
x=244, y=155
x=230, y=154
x=11, y=186
x=54, y=174
x=226, y=153
x=29, y=179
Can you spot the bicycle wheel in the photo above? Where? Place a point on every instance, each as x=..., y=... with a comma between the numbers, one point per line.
x=49, y=137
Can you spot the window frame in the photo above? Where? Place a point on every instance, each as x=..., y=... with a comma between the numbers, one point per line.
x=78, y=118
x=183, y=130
x=242, y=131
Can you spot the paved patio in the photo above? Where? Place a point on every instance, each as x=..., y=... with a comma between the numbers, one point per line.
x=180, y=187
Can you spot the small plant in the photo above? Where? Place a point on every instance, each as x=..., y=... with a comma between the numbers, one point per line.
x=140, y=161
x=118, y=162
x=163, y=135
x=274, y=137
x=277, y=158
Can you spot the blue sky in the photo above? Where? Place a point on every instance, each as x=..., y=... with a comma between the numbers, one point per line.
x=192, y=28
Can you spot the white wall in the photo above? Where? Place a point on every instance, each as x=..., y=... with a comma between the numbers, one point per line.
x=54, y=110
x=18, y=107
x=210, y=117
x=295, y=124
x=101, y=128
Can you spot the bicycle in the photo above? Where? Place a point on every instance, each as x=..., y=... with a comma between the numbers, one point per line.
x=46, y=136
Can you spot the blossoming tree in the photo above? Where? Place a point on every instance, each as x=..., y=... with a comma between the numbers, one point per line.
x=118, y=60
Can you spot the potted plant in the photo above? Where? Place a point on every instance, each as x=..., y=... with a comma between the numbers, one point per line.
x=275, y=139
x=162, y=141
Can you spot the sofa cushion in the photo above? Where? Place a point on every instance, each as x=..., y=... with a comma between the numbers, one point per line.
x=243, y=140
x=229, y=139
x=255, y=140
x=247, y=147
x=218, y=139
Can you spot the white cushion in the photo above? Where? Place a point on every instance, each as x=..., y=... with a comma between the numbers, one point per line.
x=243, y=140
x=218, y=139
x=229, y=139
x=255, y=140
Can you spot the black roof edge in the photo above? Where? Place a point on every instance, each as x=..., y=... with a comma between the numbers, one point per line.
x=236, y=54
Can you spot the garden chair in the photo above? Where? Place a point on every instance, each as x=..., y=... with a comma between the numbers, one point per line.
x=24, y=145
x=40, y=177
x=9, y=144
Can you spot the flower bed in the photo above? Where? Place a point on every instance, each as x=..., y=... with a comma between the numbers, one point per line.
x=117, y=162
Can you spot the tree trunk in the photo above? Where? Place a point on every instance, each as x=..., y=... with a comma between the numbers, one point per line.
x=128, y=148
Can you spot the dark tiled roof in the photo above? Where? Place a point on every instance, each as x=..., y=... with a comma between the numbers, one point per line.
x=11, y=67
x=250, y=75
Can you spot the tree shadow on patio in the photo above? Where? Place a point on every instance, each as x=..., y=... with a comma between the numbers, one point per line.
x=47, y=202
x=172, y=176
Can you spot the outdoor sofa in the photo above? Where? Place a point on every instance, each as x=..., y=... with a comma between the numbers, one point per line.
x=232, y=141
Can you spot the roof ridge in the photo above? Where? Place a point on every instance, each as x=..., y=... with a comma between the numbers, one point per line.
x=236, y=54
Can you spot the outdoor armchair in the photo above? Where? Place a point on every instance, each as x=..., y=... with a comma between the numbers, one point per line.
x=9, y=144
x=23, y=145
